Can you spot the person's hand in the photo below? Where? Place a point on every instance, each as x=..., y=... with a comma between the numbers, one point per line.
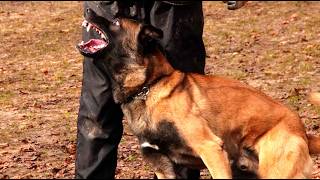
x=233, y=5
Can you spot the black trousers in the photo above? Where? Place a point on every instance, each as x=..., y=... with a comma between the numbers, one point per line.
x=100, y=119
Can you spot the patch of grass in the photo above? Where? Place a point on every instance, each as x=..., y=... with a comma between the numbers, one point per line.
x=293, y=100
x=147, y=168
x=312, y=50
x=237, y=74
x=305, y=66
x=49, y=44
x=123, y=140
x=224, y=35
x=12, y=132
x=305, y=81
x=59, y=78
x=132, y=157
x=67, y=115
x=269, y=57
x=288, y=61
x=69, y=125
x=6, y=97
x=316, y=109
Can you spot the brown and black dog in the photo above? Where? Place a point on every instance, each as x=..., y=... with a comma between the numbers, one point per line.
x=196, y=120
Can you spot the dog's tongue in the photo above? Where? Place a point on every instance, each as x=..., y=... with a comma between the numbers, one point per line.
x=92, y=46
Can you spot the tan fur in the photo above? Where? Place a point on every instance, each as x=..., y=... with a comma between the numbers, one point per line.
x=315, y=98
x=223, y=106
x=208, y=109
x=314, y=142
x=218, y=118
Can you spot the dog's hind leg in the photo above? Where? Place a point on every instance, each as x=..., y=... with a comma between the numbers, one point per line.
x=283, y=155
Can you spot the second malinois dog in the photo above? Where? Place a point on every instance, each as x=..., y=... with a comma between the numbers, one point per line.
x=196, y=120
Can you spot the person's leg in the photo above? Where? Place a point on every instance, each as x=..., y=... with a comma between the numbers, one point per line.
x=182, y=26
x=99, y=123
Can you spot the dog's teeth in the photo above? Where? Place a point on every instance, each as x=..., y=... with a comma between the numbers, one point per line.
x=88, y=28
x=85, y=23
x=116, y=22
x=99, y=46
x=103, y=36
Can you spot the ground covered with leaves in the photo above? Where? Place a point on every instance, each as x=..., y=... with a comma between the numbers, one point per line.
x=273, y=46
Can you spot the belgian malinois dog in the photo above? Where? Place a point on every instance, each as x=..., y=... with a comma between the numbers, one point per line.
x=196, y=120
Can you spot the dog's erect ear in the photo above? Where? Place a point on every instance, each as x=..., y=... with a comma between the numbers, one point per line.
x=148, y=37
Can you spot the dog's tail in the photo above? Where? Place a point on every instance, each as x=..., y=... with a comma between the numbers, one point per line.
x=313, y=141
x=314, y=144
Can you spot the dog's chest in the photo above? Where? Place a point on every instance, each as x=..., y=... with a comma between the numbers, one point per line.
x=166, y=140
x=161, y=136
x=164, y=137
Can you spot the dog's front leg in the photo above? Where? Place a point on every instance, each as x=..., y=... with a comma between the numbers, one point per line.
x=210, y=149
x=215, y=159
x=163, y=166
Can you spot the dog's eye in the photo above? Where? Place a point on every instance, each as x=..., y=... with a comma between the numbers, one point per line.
x=116, y=22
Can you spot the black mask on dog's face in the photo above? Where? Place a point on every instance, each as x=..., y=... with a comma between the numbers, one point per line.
x=122, y=47
x=115, y=34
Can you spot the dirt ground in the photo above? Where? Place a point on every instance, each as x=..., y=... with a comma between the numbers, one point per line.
x=273, y=46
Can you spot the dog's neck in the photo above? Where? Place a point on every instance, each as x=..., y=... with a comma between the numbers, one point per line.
x=158, y=68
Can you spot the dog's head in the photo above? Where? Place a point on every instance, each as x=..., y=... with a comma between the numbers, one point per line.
x=122, y=46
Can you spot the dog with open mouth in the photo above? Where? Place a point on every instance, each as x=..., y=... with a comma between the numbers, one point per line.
x=193, y=120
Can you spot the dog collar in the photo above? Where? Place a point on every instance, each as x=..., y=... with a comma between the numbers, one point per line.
x=141, y=95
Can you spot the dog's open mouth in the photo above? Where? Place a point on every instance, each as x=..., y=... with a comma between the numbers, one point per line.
x=93, y=46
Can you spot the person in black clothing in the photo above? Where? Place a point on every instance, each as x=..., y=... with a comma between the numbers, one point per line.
x=99, y=127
